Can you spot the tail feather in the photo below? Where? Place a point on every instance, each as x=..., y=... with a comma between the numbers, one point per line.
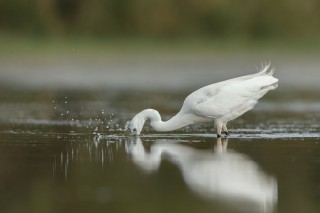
x=270, y=87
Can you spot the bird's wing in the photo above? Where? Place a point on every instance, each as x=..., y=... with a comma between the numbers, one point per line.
x=211, y=90
x=233, y=95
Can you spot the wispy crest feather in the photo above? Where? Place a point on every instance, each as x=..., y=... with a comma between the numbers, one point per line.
x=266, y=69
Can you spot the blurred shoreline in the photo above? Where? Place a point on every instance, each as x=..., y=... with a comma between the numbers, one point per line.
x=152, y=64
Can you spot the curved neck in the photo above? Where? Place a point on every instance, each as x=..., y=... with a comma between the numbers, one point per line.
x=176, y=122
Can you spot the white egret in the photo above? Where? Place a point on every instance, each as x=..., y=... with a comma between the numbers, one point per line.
x=220, y=102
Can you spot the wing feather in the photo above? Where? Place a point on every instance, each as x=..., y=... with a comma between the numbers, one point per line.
x=225, y=91
x=212, y=89
x=235, y=98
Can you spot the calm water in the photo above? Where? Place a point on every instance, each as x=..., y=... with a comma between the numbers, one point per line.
x=66, y=151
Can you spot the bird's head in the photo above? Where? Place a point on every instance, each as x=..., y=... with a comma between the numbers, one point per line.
x=135, y=125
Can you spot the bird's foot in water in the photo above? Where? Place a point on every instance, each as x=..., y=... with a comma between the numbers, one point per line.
x=218, y=136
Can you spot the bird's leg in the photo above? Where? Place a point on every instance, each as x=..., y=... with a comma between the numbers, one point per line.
x=224, y=128
x=219, y=129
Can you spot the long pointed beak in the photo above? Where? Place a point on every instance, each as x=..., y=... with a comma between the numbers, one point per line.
x=127, y=131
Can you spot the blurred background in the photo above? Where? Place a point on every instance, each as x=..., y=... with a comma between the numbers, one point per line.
x=73, y=72
x=158, y=44
x=216, y=19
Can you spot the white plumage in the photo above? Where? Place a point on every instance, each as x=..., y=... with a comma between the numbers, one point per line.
x=220, y=102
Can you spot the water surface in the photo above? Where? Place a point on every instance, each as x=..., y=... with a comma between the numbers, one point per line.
x=65, y=151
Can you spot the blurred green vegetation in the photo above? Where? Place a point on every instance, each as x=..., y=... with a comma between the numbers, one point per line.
x=250, y=19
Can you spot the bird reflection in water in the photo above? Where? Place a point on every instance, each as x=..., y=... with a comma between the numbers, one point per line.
x=222, y=175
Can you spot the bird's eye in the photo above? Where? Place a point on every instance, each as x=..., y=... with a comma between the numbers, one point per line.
x=134, y=129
